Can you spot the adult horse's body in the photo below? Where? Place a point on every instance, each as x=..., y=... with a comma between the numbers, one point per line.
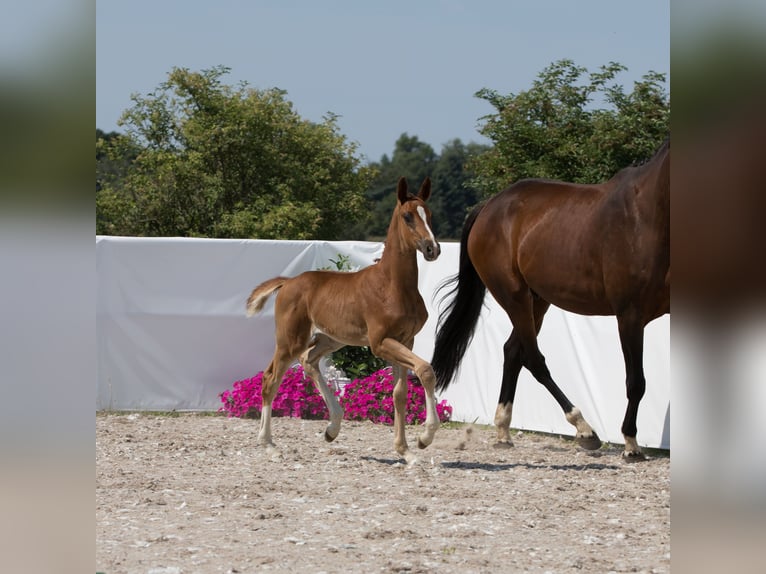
x=319, y=312
x=590, y=249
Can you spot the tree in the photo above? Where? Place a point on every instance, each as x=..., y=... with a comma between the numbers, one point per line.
x=214, y=160
x=109, y=168
x=555, y=129
x=454, y=193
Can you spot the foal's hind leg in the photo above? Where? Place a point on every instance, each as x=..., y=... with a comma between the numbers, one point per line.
x=320, y=346
x=519, y=306
x=292, y=336
x=632, y=340
x=272, y=377
x=511, y=369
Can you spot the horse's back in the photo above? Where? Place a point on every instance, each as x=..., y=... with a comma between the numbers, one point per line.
x=535, y=216
x=579, y=247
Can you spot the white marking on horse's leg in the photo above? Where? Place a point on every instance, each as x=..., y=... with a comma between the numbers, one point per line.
x=400, y=406
x=333, y=406
x=431, y=425
x=402, y=357
x=422, y=214
x=585, y=435
x=264, y=435
x=632, y=450
x=576, y=419
x=310, y=358
x=503, y=422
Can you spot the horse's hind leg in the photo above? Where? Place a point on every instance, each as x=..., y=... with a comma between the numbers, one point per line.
x=272, y=377
x=520, y=308
x=320, y=346
x=632, y=341
x=292, y=336
x=511, y=369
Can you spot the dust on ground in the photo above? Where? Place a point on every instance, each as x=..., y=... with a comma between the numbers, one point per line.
x=194, y=493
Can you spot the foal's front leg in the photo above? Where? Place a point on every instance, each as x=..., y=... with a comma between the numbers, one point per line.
x=400, y=413
x=402, y=356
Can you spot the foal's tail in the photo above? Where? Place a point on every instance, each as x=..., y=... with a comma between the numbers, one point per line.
x=260, y=294
x=458, y=321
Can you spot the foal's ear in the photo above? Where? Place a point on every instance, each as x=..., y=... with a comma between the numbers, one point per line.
x=401, y=190
x=425, y=189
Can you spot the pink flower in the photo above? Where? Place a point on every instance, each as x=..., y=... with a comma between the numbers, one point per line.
x=369, y=398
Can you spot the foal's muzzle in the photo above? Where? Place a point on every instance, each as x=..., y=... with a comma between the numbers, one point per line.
x=430, y=249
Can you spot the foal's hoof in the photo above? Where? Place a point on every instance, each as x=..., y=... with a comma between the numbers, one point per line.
x=591, y=442
x=328, y=437
x=422, y=445
x=503, y=444
x=634, y=456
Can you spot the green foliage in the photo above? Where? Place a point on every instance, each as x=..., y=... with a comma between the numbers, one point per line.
x=454, y=194
x=212, y=160
x=201, y=158
x=342, y=263
x=357, y=362
x=571, y=125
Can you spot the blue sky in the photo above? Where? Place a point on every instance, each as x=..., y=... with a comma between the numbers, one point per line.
x=385, y=67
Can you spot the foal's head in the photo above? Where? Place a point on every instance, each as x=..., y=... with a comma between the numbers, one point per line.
x=412, y=218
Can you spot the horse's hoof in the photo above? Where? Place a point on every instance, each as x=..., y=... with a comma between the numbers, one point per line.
x=421, y=444
x=503, y=444
x=328, y=437
x=273, y=452
x=409, y=458
x=591, y=442
x=634, y=456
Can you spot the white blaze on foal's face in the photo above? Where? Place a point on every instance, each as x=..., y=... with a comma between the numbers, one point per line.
x=422, y=214
x=427, y=245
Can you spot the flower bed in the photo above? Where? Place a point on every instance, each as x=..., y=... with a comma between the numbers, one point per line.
x=368, y=398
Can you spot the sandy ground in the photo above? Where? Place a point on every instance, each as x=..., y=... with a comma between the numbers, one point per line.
x=195, y=494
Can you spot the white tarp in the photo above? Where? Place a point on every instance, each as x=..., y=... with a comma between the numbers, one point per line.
x=172, y=334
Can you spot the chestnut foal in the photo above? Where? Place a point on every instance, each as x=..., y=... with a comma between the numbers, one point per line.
x=319, y=312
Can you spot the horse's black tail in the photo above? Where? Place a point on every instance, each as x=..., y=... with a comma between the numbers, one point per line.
x=457, y=321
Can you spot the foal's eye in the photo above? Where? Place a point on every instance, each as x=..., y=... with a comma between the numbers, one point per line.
x=407, y=217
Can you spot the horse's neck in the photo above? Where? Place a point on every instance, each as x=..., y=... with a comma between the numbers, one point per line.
x=397, y=262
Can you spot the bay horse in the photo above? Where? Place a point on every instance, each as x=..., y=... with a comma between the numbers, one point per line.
x=598, y=249
x=318, y=312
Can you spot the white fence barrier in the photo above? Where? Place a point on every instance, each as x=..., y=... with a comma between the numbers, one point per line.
x=172, y=334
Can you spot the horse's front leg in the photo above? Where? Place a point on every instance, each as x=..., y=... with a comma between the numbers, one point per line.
x=400, y=354
x=632, y=341
x=400, y=413
x=428, y=379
